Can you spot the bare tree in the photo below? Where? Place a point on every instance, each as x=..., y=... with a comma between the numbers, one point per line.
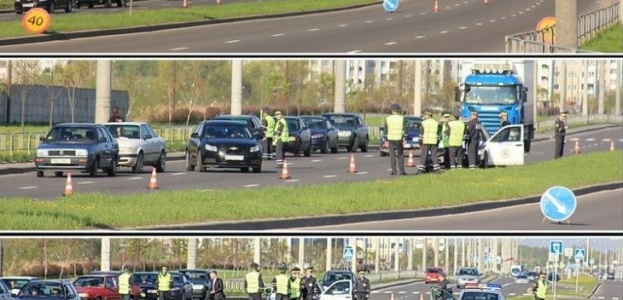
x=26, y=71
x=75, y=75
x=47, y=78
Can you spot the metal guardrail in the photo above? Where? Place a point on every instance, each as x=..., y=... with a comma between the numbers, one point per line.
x=589, y=25
x=28, y=142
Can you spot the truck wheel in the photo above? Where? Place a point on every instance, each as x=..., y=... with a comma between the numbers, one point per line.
x=526, y=146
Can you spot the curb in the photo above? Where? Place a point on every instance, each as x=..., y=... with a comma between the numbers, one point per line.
x=594, y=290
x=369, y=217
x=149, y=28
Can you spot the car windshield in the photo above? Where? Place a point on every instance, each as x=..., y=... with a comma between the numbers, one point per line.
x=43, y=289
x=15, y=283
x=89, y=282
x=433, y=270
x=197, y=277
x=235, y=131
x=142, y=278
x=333, y=277
x=479, y=296
x=293, y=124
x=414, y=123
x=72, y=134
x=491, y=95
x=125, y=131
x=470, y=272
x=316, y=123
x=342, y=121
x=177, y=278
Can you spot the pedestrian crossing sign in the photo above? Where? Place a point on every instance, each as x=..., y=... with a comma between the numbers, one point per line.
x=579, y=254
x=348, y=253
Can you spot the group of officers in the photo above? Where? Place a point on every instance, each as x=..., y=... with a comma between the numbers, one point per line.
x=295, y=286
x=276, y=134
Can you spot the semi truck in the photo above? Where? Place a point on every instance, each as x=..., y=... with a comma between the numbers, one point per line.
x=492, y=87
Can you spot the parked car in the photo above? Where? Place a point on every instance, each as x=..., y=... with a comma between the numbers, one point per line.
x=181, y=288
x=98, y=287
x=223, y=144
x=146, y=283
x=353, y=132
x=300, y=137
x=5, y=291
x=116, y=273
x=200, y=279
x=323, y=134
x=48, y=290
x=83, y=147
x=252, y=121
x=139, y=145
x=432, y=275
x=332, y=276
x=467, y=276
x=411, y=140
x=106, y=3
x=50, y=6
x=15, y=283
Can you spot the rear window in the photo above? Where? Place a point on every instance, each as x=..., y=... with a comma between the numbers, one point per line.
x=479, y=296
x=433, y=270
x=89, y=282
x=471, y=272
x=138, y=278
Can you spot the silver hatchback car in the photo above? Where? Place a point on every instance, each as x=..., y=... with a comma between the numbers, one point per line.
x=139, y=146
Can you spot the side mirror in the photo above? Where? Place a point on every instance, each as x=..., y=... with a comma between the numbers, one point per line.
x=194, y=135
x=457, y=94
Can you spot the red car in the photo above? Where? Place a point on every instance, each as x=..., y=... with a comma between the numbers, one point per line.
x=101, y=287
x=432, y=275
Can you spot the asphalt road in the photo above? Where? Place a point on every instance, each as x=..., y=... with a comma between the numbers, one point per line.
x=318, y=169
x=460, y=26
x=609, y=290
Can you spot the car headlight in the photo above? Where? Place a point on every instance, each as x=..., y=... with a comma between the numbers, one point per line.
x=82, y=152
x=175, y=289
x=344, y=133
x=415, y=139
x=211, y=148
x=126, y=150
x=42, y=152
x=83, y=295
x=292, y=138
x=255, y=148
x=317, y=136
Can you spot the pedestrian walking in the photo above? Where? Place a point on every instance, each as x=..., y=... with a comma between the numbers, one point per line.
x=455, y=140
x=473, y=132
x=395, y=126
x=362, y=286
x=430, y=142
x=280, y=138
x=253, y=282
x=164, y=284
x=216, y=287
x=268, y=124
x=560, y=127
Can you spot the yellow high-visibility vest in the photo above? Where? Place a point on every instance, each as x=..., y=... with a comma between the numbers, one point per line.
x=253, y=282
x=282, y=284
x=395, y=127
x=164, y=282
x=124, y=284
x=457, y=132
x=430, y=135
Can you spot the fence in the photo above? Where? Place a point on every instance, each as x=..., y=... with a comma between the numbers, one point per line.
x=28, y=142
x=589, y=24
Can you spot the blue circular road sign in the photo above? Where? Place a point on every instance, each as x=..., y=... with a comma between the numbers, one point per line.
x=390, y=5
x=558, y=203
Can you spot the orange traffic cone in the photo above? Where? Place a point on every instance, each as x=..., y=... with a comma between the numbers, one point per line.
x=284, y=171
x=611, y=145
x=485, y=2
x=436, y=7
x=410, y=162
x=576, y=149
x=153, y=183
x=69, y=190
x=184, y=4
x=218, y=1
x=352, y=168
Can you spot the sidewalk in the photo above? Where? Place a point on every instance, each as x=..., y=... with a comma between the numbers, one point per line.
x=16, y=168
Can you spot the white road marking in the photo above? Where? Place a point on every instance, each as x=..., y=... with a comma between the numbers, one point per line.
x=420, y=36
x=621, y=140
x=277, y=35
x=389, y=19
x=513, y=294
x=590, y=140
x=402, y=292
x=342, y=157
x=521, y=12
x=533, y=6
x=387, y=292
x=86, y=182
x=463, y=27
x=443, y=32
x=573, y=139
x=478, y=24
x=448, y=7
x=361, y=173
x=408, y=16
x=615, y=298
x=207, y=190
x=527, y=9
x=390, y=43
x=507, y=284
x=389, y=170
x=492, y=21
x=355, y=51
x=422, y=13
x=513, y=15
x=329, y=176
x=503, y=18
x=28, y=187
x=135, y=178
x=374, y=292
x=458, y=4
x=178, y=173
x=606, y=140
x=465, y=2
x=314, y=29
x=179, y=49
x=369, y=155
x=292, y=180
x=416, y=292
x=601, y=297
x=251, y=185
x=369, y=21
x=232, y=41
x=342, y=25
x=316, y=160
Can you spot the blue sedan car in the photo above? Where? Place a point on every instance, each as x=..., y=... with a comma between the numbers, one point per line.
x=323, y=135
x=300, y=137
x=83, y=147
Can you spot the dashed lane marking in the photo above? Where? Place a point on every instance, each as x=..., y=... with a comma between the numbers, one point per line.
x=607, y=140
x=387, y=292
x=251, y=185
x=423, y=13
x=277, y=35
x=343, y=157
x=463, y=27
x=329, y=176
x=86, y=182
x=135, y=178
x=292, y=180
x=369, y=155
x=179, y=49
x=361, y=173
x=408, y=16
x=389, y=19
x=443, y=32
x=316, y=160
x=512, y=294
x=590, y=140
x=390, y=43
x=402, y=292
x=178, y=173
x=314, y=29
x=354, y=51
x=342, y=25
x=232, y=41
x=28, y=187
x=420, y=36
x=478, y=24
x=492, y=21
x=369, y=21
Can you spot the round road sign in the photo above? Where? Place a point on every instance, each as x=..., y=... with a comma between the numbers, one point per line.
x=36, y=20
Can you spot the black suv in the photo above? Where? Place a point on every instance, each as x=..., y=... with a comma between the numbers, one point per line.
x=49, y=5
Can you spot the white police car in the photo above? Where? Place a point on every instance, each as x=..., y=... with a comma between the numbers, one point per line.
x=489, y=291
x=339, y=290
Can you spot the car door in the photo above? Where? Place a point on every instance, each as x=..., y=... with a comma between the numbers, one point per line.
x=506, y=147
x=147, y=141
x=339, y=290
x=5, y=293
x=158, y=142
x=111, y=289
x=105, y=145
x=331, y=134
x=305, y=134
x=195, y=141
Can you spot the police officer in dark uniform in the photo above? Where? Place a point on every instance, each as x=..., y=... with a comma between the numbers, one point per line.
x=473, y=131
x=559, y=136
x=361, y=290
x=504, y=119
x=445, y=287
x=308, y=285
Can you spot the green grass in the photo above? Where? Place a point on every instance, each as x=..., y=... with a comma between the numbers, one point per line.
x=62, y=23
x=102, y=210
x=6, y=4
x=608, y=41
x=566, y=287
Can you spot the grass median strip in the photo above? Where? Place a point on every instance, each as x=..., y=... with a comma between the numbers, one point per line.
x=100, y=210
x=63, y=23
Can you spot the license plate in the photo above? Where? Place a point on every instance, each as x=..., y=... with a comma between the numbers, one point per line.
x=197, y=287
x=28, y=5
x=234, y=157
x=60, y=161
x=143, y=295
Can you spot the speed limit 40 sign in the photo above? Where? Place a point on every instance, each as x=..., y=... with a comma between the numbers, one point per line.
x=36, y=20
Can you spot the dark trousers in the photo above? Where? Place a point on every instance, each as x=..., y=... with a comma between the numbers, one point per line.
x=125, y=296
x=472, y=153
x=255, y=296
x=281, y=297
x=280, y=154
x=164, y=295
x=396, y=153
x=560, y=147
x=447, y=160
x=361, y=296
x=267, y=145
x=424, y=156
x=454, y=161
x=537, y=298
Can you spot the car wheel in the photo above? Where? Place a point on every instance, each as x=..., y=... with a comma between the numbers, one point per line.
x=353, y=146
x=257, y=169
x=364, y=148
x=484, y=161
x=199, y=164
x=94, y=167
x=334, y=149
x=108, y=3
x=138, y=167
x=307, y=151
x=39, y=173
x=58, y=174
x=161, y=166
x=325, y=149
x=112, y=170
x=383, y=153
x=188, y=163
x=90, y=5
x=244, y=169
x=69, y=6
x=51, y=7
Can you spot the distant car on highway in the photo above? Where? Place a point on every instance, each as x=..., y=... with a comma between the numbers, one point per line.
x=48, y=290
x=323, y=134
x=412, y=139
x=200, y=278
x=353, y=132
x=139, y=145
x=82, y=147
x=181, y=287
x=15, y=283
x=252, y=121
x=332, y=276
x=467, y=276
x=146, y=283
x=522, y=278
x=532, y=276
x=223, y=144
x=50, y=6
x=300, y=137
x=432, y=275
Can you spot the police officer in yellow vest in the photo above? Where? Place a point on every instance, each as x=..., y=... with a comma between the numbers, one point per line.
x=540, y=288
x=253, y=282
x=164, y=284
x=282, y=284
x=295, y=284
x=281, y=137
x=125, y=284
x=455, y=140
x=430, y=142
x=268, y=124
x=395, y=126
